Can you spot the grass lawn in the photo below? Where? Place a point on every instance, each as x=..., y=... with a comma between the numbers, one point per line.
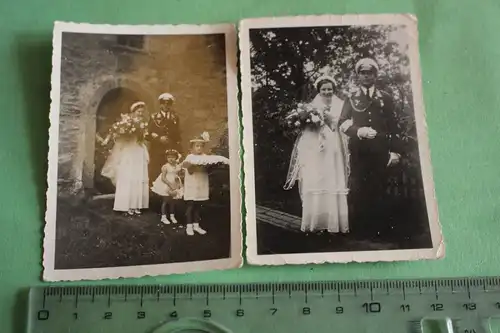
x=93, y=236
x=407, y=228
x=276, y=240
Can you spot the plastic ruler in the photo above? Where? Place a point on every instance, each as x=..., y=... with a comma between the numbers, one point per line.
x=464, y=305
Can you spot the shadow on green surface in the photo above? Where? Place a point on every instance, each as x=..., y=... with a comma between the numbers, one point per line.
x=20, y=310
x=34, y=53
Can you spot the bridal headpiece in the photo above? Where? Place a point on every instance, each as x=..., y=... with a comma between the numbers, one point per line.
x=324, y=78
x=137, y=105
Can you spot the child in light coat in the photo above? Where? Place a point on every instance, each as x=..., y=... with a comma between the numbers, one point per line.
x=196, y=190
x=196, y=181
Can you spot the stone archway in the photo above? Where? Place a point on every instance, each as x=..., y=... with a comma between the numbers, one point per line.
x=113, y=104
x=95, y=93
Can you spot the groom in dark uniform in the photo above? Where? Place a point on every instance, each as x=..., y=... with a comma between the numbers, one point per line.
x=368, y=118
x=164, y=134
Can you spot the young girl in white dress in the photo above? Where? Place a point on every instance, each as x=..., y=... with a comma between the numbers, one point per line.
x=169, y=186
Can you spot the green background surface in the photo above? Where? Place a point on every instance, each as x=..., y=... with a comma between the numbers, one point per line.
x=460, y=54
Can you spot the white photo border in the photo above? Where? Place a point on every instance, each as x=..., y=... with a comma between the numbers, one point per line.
x=235, y=260
x=253, y=258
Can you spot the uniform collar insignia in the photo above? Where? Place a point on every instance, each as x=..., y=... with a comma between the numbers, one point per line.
x=359, y=101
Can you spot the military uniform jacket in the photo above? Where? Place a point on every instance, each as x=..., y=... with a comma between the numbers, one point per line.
x=377, y=112
x=165, y=124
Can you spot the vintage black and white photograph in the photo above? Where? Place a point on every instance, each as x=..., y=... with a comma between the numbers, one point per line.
x=144, y=154
x=337, y=162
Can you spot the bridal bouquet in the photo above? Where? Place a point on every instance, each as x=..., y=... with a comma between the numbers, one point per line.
x=304, y=115
x=128, y=126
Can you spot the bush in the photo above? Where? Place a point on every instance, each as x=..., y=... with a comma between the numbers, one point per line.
x=286, y=61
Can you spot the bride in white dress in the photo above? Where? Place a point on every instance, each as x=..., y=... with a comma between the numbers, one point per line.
x=127, y=164
x=319, y=164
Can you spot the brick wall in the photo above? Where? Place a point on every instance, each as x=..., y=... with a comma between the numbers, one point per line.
x=192, y=68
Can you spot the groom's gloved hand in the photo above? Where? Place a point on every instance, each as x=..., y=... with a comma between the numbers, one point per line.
x=394, y=159
x=366, y=133
x=362, y=132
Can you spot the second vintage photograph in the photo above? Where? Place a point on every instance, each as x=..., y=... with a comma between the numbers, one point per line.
x=336, y=161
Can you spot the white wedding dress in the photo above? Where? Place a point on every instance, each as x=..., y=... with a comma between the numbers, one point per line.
x=127, y=167
x=319, y=164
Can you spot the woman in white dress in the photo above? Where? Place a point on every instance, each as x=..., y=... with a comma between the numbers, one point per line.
x=127, y=165
x=319, y=164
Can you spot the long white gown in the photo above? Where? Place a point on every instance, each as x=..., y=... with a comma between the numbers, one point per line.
x=127, y=167
x=319, y=164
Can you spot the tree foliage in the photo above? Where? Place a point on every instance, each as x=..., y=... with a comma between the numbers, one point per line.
x=286, y=61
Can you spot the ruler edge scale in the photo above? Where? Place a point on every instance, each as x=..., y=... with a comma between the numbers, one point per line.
x=483, y=284
x=251, y=287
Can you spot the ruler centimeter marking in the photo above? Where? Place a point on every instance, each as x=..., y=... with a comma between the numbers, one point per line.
x=320, y=287
x=393, y=305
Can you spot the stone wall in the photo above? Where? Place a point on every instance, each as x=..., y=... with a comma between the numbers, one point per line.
x=192, y=68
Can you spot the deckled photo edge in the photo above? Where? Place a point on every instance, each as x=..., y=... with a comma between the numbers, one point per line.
x=153, y=29
x=326, y=20
x=139, y=271
x=248, y=154
x=411, y=22
x=49, y=273
x=234, y=133
x=52, y=158
x=424, y=144
x=343, y=257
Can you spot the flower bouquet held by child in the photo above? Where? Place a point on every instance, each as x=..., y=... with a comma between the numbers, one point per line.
x=169, y=186
x=196, y=181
